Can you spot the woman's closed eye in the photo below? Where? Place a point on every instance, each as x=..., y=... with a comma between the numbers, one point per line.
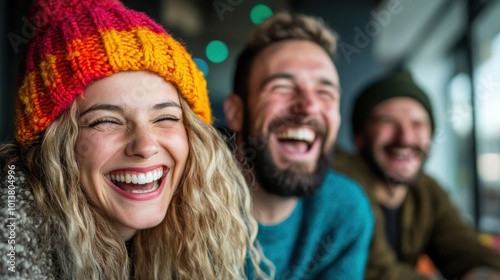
x=104, y=121
x=168, y=118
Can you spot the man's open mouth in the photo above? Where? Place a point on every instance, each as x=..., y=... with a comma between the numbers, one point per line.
x=296, y=140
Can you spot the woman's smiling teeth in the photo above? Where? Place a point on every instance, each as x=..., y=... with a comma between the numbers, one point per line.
x=137, y=182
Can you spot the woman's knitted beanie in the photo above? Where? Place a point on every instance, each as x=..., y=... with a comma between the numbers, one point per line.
x=79, y=42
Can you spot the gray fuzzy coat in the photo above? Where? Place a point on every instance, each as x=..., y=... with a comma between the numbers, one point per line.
x=22, y=251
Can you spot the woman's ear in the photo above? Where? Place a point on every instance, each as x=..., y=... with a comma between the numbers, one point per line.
x=233, y=111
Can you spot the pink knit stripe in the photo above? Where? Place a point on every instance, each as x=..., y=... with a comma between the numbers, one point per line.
x=87, y=25
x=125, y=20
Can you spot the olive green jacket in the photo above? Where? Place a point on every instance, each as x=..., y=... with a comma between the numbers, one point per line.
x=430, y=225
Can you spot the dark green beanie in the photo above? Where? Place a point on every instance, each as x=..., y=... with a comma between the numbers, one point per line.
x=396, y=84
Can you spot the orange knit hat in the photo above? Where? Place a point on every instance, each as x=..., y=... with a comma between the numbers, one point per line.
x=78, y=42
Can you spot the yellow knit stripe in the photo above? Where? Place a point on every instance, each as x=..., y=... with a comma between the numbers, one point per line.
x=49, y=71
x=31, y=116
x=143, y=49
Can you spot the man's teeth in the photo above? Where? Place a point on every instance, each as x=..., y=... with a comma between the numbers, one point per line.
x=138, y=178
x=301, y=134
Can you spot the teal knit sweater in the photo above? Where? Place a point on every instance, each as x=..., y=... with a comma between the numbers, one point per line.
x=326, y=237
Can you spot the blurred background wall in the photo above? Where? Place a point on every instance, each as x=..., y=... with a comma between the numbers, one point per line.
x=451, y=46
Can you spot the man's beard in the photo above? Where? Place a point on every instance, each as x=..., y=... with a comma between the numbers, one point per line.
x=295, y=180
x=392, y=180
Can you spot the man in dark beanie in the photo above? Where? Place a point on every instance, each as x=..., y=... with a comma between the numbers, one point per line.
x=393, y=126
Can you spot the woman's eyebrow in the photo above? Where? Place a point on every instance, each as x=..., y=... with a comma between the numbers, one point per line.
x=105, y=107
x=165, y=105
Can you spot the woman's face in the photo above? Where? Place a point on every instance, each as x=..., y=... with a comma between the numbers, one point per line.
x=132, y=148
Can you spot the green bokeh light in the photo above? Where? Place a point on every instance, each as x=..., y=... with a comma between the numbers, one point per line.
x=259, y=13
x=216, y=51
